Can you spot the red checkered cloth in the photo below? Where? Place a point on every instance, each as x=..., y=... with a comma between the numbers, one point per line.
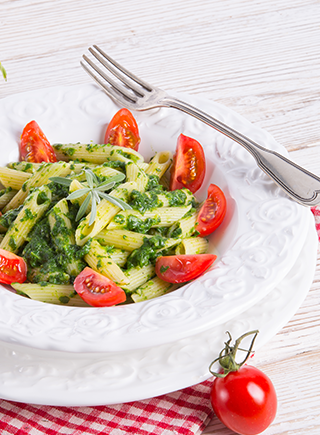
x=184, y=412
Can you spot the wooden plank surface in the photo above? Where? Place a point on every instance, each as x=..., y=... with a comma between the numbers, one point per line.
x=260, y=58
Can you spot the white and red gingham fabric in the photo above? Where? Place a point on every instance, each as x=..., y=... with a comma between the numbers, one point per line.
x=184, y=412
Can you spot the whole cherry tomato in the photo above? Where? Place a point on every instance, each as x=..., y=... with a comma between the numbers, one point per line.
x=123, y=130
x=34, y=146
x=12, y=268
x=212, y=212
x=98, y=290
x=242, y=397
x=189, y=165
x=183, y=268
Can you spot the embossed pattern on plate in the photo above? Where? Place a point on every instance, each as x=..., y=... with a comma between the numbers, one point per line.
x=258, y=243
x=69, y=379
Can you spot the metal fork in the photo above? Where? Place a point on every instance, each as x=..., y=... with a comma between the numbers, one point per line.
x=135, y=94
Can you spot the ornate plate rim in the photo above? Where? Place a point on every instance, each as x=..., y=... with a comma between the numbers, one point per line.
x=64, y=379
x=270, y=231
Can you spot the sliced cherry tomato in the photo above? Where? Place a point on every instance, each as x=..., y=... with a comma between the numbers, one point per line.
x=12, y=268
x=212, y=212
x=123, y=130
x=183, y=268
x=189, y=165
x=34, y=146
x=245, y=400
x=98, y=290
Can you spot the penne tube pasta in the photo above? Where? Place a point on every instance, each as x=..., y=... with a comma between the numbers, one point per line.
x=34, y=207
x=24, y=166
x=60, y=294
x=39, y=178
x=76, y=185
x=159, y=163
x=63, y=237
x=5, y=196
x=143, y=165
x=138, y=276
x=153, y=288
x=105, y=212
x=172, y=199
x=135, y=173
x=95, y=153
x=97, y=260
x=12, y=178
x=186, y=227
x=101, y=171
x=192, y=245
x=121, y=239
x=161, y=217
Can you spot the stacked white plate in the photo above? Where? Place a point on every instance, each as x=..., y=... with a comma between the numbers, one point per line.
x=266, y=247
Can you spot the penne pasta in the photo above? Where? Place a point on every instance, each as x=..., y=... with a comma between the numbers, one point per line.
x=159, y=217
x=51, y=294
x=12, y=178
x=153, y=288
x=34, y=207
x=138, y=276
x=159, y=163
x=97, y=260
x=105, y=212
x=192, y=245
x=95, y=153
x=39, y=178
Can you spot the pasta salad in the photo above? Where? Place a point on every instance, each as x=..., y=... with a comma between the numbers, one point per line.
x=96, y=225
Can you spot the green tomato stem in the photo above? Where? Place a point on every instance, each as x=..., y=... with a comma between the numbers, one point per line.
x=227, y=355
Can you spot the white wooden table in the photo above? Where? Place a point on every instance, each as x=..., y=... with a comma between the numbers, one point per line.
x=260, y=58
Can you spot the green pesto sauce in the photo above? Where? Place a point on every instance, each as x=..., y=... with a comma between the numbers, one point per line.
x=141, y=226
x=115, y=165
x=42, y=198
x=47, y=259
x=28, y=215
x=128, y=155
x=176, y=198
x=7, y=219
x=120, y=219
x=147, y=253
x=12, y=243
x=4, y=191
x=143, y=202
x=153, y=183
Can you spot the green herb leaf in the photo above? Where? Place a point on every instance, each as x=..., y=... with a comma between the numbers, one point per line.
x=4, y=73
x=78, y=193
x=93, y=213
x=61, y=180
x=116, y=201
x=91, y=178
x=83, y=207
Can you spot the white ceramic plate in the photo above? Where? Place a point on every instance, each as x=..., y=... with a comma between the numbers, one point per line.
x=62, y=378
x=258, y=243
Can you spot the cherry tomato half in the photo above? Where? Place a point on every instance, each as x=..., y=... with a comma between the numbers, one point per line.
x=98, y=290
x=189, y=166
x=34, y=146
x=212, y=212
x=12, y=268
x=123, y=130
x=183, y=268
x=245, y=400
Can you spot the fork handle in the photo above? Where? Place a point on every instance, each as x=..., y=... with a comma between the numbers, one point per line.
x=300, y=184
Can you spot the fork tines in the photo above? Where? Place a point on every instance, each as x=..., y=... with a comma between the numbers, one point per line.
x=114, y=87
